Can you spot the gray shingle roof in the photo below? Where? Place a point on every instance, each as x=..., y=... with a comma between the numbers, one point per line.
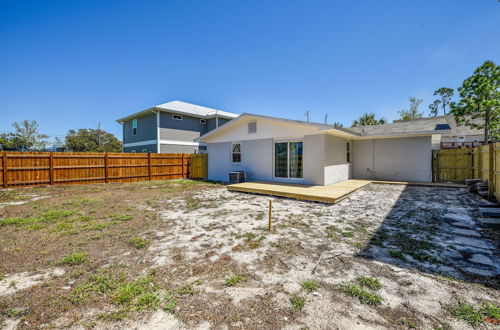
x=414, y=126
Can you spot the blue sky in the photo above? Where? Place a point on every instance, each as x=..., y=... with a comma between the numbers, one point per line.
x=72, y=64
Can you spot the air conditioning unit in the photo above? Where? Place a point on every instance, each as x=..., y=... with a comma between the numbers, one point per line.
x=237, y=177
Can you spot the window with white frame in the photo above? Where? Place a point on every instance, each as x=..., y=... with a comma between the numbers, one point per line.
x=203, y=121
x=236, y=152
x=176, y=117
x=145, y=150
x=134, y=127
x=288, y=159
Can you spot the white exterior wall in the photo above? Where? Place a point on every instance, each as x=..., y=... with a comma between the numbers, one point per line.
x=396, y=159
x=257, y=160
x=336, y=167
x=218, y=161
x=314, y=158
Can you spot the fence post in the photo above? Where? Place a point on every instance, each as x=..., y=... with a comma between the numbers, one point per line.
x=182, y=166
x=106, y=166
x=51, y=168
x=5, y=183
x=491, y=174
x=149, y=165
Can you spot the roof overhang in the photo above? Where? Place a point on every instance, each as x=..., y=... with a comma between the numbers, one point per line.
x=400, y=135
x=213, y=114
x=321, y=128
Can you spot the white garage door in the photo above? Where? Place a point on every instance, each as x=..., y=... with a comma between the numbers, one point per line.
x=398, y=159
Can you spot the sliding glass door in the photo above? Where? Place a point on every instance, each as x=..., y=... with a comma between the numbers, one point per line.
x=295, y=160
x=288, y=160
x=281, y=160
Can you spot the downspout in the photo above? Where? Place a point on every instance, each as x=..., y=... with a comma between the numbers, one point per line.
x=216, y=120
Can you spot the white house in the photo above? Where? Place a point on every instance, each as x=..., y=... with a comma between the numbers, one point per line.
x=282, y=150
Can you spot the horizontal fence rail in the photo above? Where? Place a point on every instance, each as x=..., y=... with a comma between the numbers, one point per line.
x=458, y=165
x=54, y=168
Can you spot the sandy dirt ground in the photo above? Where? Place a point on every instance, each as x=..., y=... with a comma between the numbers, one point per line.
x=389, y=256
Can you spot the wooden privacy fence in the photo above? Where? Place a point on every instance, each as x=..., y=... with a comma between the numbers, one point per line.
x=40, y=168
x=457, y=165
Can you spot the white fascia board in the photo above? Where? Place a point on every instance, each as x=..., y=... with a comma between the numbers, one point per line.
x=189, y=114
x=159, y=142
x=135, y=115
x=140, y=143
x=183, y=143
x=396, y=135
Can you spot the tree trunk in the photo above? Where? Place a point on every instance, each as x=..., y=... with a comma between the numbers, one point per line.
x=486, y=124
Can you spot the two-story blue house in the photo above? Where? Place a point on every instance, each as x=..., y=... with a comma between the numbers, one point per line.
x=171, y=127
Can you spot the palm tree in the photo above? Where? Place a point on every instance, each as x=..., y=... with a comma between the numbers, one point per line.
x=368, y=119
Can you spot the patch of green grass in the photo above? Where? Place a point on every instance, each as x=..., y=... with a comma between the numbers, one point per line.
x=297, y=302
x=421, y=256
x=129, y=292
x=347, y=234
x=406, y=323
x=138, y=242
x=170, y=303
x=75, y=258
x=187, y=289
x=98, y=284
x=192, y=204
x=63, y=227
x=233, y=280
x=49, y=216
x=310, y=286
x=364, y=297
x=491, y=311
x=332, y=232
x=369, y=282
x=397, y=254
x=443, y=326
x=249, y=236
x=121, y=217
x=94, y=225
x=114, y=316
x=12, y=221
x=55, y=215
x=148, y=301
x=464, y=311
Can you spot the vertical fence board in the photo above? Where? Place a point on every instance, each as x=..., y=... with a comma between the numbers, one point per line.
x=4, y=170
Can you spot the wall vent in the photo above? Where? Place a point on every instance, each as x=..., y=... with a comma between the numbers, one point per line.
x=252, y=127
